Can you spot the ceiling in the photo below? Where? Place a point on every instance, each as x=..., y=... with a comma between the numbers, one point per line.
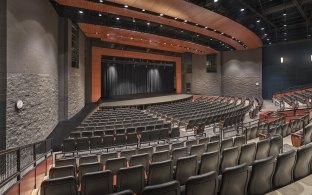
x=196, y=26
x=274, y=21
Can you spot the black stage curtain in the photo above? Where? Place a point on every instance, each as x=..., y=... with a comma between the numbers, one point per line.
x=127, y=79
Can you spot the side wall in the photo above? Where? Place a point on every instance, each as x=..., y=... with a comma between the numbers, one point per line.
x=39, y=71
x=203, y=82
x=32, y=55
x=296, y=69
x=242, y=73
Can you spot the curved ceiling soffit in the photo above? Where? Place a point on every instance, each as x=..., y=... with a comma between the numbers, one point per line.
x=83, y=4
x=196, y=14
x=139, y=39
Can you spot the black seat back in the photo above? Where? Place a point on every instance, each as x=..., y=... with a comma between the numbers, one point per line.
x=248, y=153
x=204, y=184
x=235, y=180
x=229, y=158
x=262, y=176
x=62, y=171
x=59, y=186
x=263, y=148
x=285, y=165
x=97, y=183
x=131, y=178
x=302, y=167
x=160, y=172
x=186, y=167
x=209, y=162
x=160, y=156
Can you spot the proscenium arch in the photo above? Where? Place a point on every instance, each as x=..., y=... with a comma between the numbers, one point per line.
x=98, y=52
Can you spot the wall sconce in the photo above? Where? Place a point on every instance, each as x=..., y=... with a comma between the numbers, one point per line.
x=282, y=60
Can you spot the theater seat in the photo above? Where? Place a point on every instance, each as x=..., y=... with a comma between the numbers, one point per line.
x=248, y=153
x=235, y=180
x=140, y=159
x=213, y=146
x=276, y=144
x=131, y=178
x=62, y=171
x=160, y=156
x=263, y=148
x=186, y=167
x=104, y=157
x=303, y=161
x=128, y=153
x=229, y=158
x=178, y=153
x=88, y=159
x=146, y=150
x=162, y=147
x=160, y=172
x=97, y=183
x=59, y=186
x=209, y=162
x=115, y=164
x=239, y=140
x=89, y=168
x=66, y=162
x=226, y=143
x=198, y=150
x=262, y=176
x=169, y=188
x=204, y=184
x=285, y=164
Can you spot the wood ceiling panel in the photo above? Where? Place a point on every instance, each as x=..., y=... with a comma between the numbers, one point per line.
x=200, y=15
x=180, y=9
x=145, y=40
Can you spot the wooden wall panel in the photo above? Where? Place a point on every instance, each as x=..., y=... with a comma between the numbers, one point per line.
x=97, y=54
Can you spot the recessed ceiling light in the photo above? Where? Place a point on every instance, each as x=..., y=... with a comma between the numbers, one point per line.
x=265, y=34
x=101, y=1
x=285, y=25
x=285, y=33
x=222, y=33
x=270, y=43
x=185, y=20
x=175, y=18
x=131, y=38
x=215, y=30
x=258, y=21
x=242, y=9
x=309, y=35
x=80, y=11
x=262, y=28
x=100, y=14
x=285, y=39
x=107, y=34
x=210, y=39
x=117, y=18
x=161, y=25
x=284, y=14
x=215, y=1
x=161, y=14
x=268, y=39
x=206, y=27
x=133, y=20
x=143, y=10
x=148, y=23
x=196, y=24
x=181, y=30
x=126, y=6
x=197, y=35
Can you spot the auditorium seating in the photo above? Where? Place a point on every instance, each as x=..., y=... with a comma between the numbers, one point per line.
x=204, y=184
x=243, y=171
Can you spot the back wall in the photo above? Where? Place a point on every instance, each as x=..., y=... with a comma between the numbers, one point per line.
x=296, y=69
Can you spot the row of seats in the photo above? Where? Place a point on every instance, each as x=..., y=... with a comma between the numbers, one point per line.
x=261, y=177
x=118, y=140
x=215, y=160
x=98, y=132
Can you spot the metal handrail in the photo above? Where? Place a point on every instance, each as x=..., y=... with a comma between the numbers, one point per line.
x=17, y=168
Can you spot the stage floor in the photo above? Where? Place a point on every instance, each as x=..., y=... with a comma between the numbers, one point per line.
x=147, y=101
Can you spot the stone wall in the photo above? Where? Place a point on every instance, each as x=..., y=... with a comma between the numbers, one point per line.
x=242, y=73
x=32, y=60
x=76, y=82
x=203, y=82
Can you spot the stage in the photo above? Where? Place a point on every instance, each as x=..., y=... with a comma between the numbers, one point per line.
x=144, y=102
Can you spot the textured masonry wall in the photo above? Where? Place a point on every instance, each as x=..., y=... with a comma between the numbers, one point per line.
x=32, y=56
x=203, y=82
x=39, y=115
x=241, y=70
x=76, y=82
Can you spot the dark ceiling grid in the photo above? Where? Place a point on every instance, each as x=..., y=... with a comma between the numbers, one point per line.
x=273, y=16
